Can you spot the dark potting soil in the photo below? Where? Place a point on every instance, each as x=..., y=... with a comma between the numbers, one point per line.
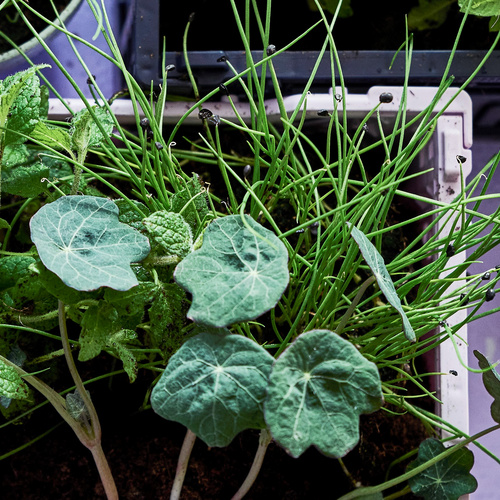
x=142, y=451
x=14, y=27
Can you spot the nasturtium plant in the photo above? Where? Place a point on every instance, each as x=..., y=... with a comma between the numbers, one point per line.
x=239, y=273
x=215, y=385
x=317, y=389
x=80, y=239
x=491, y=380
x=170, y=232
x=376, y=263
x=447, y=479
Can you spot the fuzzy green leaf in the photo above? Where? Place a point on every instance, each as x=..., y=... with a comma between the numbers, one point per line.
x=170, y=232
x=448, y=479
x=191, y=203
x=98, y=324
x=429, y=14
x=318, y=388
x=491, y=380
x=52, y=137
x=22, y=172
x=484, y=8
x=238, y=274
x=215, y=385
x=19, y=105
x=376, y=263
x=120, y=342
x=166, y=318
x=85, y=131
x=12, y=268
x=80, y=239
x=11, y=384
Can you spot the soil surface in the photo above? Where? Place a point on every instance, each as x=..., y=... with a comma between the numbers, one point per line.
x=142, y=451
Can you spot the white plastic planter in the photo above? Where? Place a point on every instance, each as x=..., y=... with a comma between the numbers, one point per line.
x=452, y=137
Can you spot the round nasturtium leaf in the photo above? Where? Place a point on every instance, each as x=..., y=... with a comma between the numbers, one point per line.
x=80, y=239
x=215, y=385
x=318, y=388
x=237, y=275
x=447, y=479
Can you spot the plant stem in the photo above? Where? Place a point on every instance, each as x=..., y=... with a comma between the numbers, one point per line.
x=264, y=440
x=182, y=464
x=93, y=441
x=104, y=472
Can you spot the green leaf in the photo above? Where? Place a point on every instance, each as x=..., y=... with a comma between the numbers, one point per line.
x=491, y=381
x=12, y=268
x=22, y=172
x=239, y=273
x=448, y=479
x=52, y=137
x=85, y=131
x=170, y=232
x=318, y=388
x=128, y=215
x=167, y=317
x=80, y=239
x=119, y=343
x=4, y=224
x=484, y=8
x=56, y=287
x=376, y=263
x=215, y=385
x=191, y=203
x=98, y=324
x=19, y=105
x=429, y=14
x=11, y=384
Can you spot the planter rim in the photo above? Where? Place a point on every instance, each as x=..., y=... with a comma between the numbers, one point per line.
x=9, y=57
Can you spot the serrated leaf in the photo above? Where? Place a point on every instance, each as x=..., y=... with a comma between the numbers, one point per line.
x=128, y=215
x=215, y=385
x=19, y=105
x=429, y=14
x=119, y=343
x=98, y=324
x=80, y=239
x=491, y=381
x=237, y=275
x=85, y=132
x=317, y=389
x=166, y=318
x=12, y=268
x=18, y=357
x=11, y=384
x=52, y=137
x=448, y=479
x=376, y=263
x=484, y=8
x=170, y=232
x=22, y=172
x=191, y=203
